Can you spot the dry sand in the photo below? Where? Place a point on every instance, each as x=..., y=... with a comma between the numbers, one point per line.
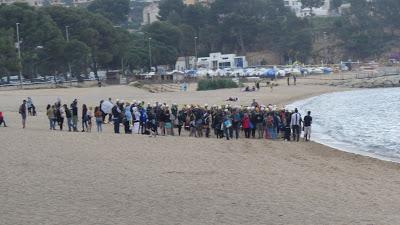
x=80, y=178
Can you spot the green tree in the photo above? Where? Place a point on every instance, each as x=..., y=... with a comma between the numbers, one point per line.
x=37, y=34
x=114, y=10
x=170, y=6
x=77, y=54
x=94, y=30
x=8, y=57
x=195, y=16
x=388, y=11
x=312, y=4
x=335, y=4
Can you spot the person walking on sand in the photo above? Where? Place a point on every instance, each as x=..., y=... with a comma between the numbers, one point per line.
x=295, y=123
x=294, y=80
x=22, y=112
x=2, y=121
x=307, y=126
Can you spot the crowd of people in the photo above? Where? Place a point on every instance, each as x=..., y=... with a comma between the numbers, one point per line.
x=226, y=121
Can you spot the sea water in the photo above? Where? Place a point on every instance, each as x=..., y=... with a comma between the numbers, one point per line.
x=365, y=122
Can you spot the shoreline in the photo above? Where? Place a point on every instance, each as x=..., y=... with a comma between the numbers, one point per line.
x=339, y=145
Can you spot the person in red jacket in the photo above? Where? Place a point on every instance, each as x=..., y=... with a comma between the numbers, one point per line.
x=2, y=121
x=246, y=125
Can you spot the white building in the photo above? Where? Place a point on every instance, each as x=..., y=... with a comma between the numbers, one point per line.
x=185, y=63
x=81, y=2
x=30, y=2
x=150, y=13
x=221, y=61
x=295, y=6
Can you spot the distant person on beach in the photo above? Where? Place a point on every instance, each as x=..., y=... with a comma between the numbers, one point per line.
x=295, y=123
x=29, y=105
x=288, y=80
x=22, y=112
x=294, y=79
x=110, y=115
x=2, y=120
x=85, y=118
x=33, y=110
x=116, y=117
x=74, y=109
x=68, y=115
x=98, y=114
x=89, y=118
x=246, y=125
x=50, y=112
x=128, y=118
x=307, y=126
x=60, y=116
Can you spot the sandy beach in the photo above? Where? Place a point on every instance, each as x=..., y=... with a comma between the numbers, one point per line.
x=89, y=178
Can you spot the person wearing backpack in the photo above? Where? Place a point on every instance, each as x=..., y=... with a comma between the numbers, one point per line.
x=270, y=126
x=181, y=121
x=68, y=115
x=143, y=120
x=60, y=117
x=116, y=116
x=206, y=124
x=236, y=120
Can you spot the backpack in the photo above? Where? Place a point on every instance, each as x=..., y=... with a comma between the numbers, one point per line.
x=58, y=113
x=270, y=122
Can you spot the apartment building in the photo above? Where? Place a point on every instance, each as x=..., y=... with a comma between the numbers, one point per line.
x=36, y=3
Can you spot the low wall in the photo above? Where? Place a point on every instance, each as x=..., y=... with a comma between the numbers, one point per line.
x=49, y=86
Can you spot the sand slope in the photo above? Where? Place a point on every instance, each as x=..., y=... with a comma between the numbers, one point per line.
x=74, y=178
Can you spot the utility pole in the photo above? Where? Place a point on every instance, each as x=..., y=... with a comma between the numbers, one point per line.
x=69, y=64
x=195, y=51
x=150, y=63
x=19, y=55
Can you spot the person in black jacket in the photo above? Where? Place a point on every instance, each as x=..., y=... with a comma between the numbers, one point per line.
x=68, y=115
x=74, y=109
x=116, y=116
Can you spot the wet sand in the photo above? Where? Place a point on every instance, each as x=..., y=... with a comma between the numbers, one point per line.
x=81, y=178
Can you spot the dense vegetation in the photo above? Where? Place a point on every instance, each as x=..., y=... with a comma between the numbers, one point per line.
x=215, y=84
x=98, y=39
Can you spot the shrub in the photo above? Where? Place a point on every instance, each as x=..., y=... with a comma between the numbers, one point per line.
x=215, y=84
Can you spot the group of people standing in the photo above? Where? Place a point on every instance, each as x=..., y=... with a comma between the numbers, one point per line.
x=58, y=114
x=226, y=121
x=230, y=122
